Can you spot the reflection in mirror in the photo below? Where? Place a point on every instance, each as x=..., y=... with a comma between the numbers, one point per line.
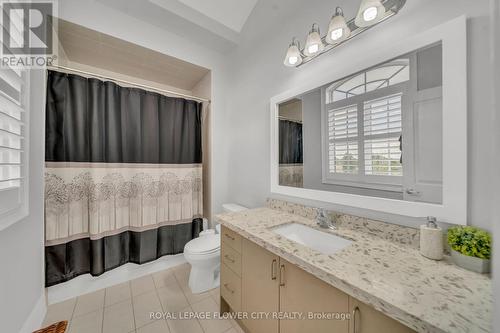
x=290, y=141
x=377, y=132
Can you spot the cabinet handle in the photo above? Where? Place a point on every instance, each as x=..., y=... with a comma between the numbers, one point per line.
x=229, y=236
x=229, y=258
x=273, y=269
x=226, y=285
x=354, y=312
x=282, y=275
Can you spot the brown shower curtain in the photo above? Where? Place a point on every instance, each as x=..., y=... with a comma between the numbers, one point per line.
x=123, y=179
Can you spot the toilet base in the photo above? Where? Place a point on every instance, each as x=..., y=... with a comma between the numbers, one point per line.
x=202, y=279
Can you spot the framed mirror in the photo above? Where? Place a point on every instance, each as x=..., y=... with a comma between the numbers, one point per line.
x=387, y=134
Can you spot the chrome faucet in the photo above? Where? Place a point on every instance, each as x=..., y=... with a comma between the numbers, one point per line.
x=324, y=220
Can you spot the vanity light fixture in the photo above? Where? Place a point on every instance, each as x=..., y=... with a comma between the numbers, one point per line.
x=293, y=56
x=370, y=13
x=338, y=29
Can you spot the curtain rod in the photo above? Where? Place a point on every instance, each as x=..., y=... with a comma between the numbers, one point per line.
x=138, y=85
x=290, y=119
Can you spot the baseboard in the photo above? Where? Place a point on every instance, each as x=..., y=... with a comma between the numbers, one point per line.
x=35, y=318
x=84, y=284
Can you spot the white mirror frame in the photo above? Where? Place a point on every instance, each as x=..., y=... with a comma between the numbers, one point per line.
x=453, y=209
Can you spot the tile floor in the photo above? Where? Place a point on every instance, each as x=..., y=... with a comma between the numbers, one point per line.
x=126, y=307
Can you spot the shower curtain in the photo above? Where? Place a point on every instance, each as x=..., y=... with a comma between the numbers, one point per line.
x=290, y=153
x=123, y=180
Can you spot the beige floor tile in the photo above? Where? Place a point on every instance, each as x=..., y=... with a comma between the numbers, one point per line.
x=208, y=305
x=163, y=278
x=182, y=276
x=143, y=306
x=89, y=302
x=119, y=318
x=215, y=293
x=194, y=298
x=236, y=327
x=181, y=272
x=142, y=285
x=172, y=298
x=88, y=323
x=231, y=330
x=117, y=293
x=185, y=325
x=158, y=326
x=59, y=311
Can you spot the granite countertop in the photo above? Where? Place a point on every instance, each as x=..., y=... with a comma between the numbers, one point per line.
x=425, y=295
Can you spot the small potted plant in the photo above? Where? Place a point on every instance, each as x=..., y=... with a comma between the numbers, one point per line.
x=470, y=248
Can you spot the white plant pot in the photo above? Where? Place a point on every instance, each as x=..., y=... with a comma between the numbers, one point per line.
x=470, y=263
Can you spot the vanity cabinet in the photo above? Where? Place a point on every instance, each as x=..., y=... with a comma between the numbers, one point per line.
x=260, y=286
x=263, y=285
x=366, y=319
x=300, y=292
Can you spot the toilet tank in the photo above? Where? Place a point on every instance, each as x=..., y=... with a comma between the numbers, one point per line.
x=232, y=208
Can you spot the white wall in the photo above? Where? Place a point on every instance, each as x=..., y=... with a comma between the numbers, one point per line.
x=22, y=297
x=260, y=74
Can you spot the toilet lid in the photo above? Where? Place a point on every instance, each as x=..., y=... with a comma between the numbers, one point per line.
x=204, y=244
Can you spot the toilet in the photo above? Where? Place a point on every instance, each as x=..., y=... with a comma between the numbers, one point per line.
x=203, y=254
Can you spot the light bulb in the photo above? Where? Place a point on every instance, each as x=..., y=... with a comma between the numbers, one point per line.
x=313, y=48
x=293, y=60
x=370, y=13
x=336, y=34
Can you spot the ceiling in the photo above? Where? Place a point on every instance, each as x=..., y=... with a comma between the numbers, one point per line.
x=92, y=48
x=233, y=14
x=214, y=24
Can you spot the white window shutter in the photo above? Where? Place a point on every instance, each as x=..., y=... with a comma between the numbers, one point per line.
x=382, y=131
x=12, y=145
x=342, y=140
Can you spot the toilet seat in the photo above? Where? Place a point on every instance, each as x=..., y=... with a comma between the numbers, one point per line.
x=205, y=245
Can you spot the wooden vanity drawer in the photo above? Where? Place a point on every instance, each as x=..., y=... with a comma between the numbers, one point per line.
x=231, y=238
x=230, y=288
x=231, y=259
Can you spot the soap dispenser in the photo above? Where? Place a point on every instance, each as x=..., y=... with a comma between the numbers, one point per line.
x=431, y=240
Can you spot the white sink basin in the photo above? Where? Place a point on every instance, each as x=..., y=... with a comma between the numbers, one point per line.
x=317, y=240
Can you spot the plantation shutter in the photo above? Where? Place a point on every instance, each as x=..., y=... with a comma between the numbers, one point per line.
x=382, y=132
x=343, y=140
x=12, y=141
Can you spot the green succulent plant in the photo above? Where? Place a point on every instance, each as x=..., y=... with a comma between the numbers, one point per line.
x=470, y=241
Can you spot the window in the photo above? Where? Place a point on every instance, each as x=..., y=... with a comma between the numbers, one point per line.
x=364, y=128
x=13, y=119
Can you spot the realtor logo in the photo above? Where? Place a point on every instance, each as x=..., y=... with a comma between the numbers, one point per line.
x=27, y=33
x=25, y=28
